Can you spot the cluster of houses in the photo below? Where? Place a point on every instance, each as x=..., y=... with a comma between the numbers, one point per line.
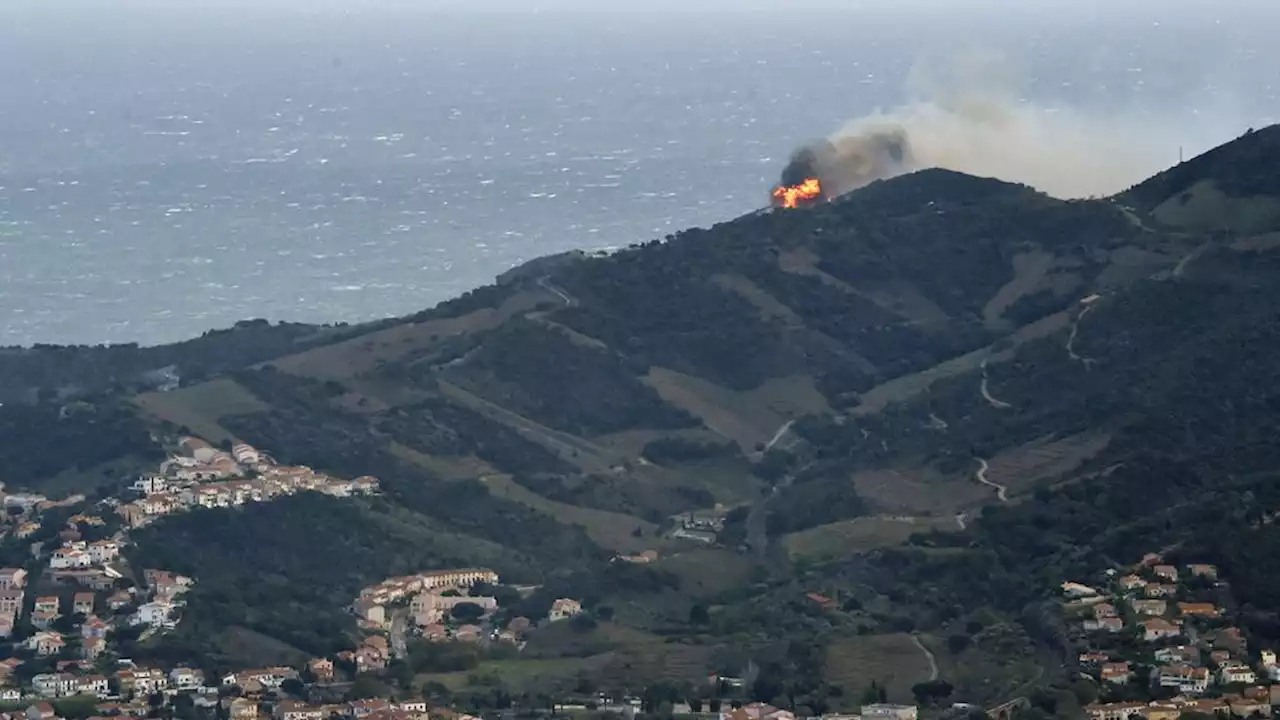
x=1186, y=650
x=132, y=691
x=1146, y=600
x=211, y=478
x=429, y=599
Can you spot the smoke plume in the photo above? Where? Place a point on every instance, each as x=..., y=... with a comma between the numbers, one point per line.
x=968, y=118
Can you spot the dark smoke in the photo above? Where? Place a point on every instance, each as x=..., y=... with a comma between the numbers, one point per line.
x=848, y=162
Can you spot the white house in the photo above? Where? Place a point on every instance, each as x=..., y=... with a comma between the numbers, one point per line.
x=245, y=454
x=186, y=678
x=1188, y=680
x=70, y=558
x=94, y=685
x=153, y=614
x=103, y=551
x=150, y=484
x=1229, y=674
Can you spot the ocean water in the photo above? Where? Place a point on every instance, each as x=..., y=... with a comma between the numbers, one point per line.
x=163, y=174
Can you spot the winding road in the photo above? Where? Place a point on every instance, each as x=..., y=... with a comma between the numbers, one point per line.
x=933, y=662
x=986, y=392
x=1001, y=490
x=1071, y=341
x=545, y=283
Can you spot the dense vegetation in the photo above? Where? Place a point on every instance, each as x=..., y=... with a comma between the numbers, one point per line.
x=545, y=375
x=42, y=440
x=1171, y=373
x=286, y=569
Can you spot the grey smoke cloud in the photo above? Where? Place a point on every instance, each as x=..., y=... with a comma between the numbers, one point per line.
x=965, y=115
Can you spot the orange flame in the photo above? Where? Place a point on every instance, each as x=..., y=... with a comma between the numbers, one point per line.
x=793, y=196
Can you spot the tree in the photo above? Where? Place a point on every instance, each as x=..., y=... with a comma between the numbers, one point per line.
x=698, y=615
x=294, y=687
x=582, y=623
x=604, y=612
x=926, y=693
x=957, y=643
x=467, y=612
x=367, y=686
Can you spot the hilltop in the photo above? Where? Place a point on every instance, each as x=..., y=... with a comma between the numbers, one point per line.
x=927, y=403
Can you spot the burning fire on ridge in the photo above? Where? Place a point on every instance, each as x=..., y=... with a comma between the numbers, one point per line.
x=808, y=192
x=825, y=169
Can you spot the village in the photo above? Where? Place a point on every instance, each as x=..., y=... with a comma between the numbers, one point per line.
x=61, y=613
x=1160, y=641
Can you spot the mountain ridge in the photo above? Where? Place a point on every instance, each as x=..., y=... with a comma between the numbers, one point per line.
x=948, y=352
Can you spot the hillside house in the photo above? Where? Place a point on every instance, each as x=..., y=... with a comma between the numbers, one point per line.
x=41, y=711
x=47, y=603
x=1087, y=659
x=1107, y=624
x=82, y=603
x=1130, y=583
x=1159, y=629
x=1077, y=590
x=1204, y=610
x=152, y=614
x=1149, y=607
x=68, y=558
x=11, y=601
x=1179, y=654
x=45, y=643
x=1166, y=572
x=103, y=551
x=186, y=678
x=119, y=599
x=1243, y=707
x=1232, y=674
x=361, y=708
x=242, y=709
x=1160, y=590
x=1184, y=679
x=563, y=609
x=94, y=627
x=885, y=711
x=321, y=669
x=91, y=648
x=297, y=710
x=1115, y=711
x=1209, y=572
x=1117, y=673
x=150, y=485
x=142, y=681
x=43, y=619
x=1104, y=610
x=12, y=578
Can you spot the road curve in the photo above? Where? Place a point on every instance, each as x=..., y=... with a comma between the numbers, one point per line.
x=986, y=392
x=1001, y=490
x=933, y=662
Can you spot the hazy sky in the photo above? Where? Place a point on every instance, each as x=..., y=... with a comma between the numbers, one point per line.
x=1156, y=7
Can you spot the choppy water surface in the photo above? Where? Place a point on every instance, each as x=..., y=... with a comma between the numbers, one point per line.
x=159, y=178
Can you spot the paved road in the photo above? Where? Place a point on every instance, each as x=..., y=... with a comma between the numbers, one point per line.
x=983, y=467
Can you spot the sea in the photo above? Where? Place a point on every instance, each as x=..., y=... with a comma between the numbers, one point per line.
x=170, y=170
